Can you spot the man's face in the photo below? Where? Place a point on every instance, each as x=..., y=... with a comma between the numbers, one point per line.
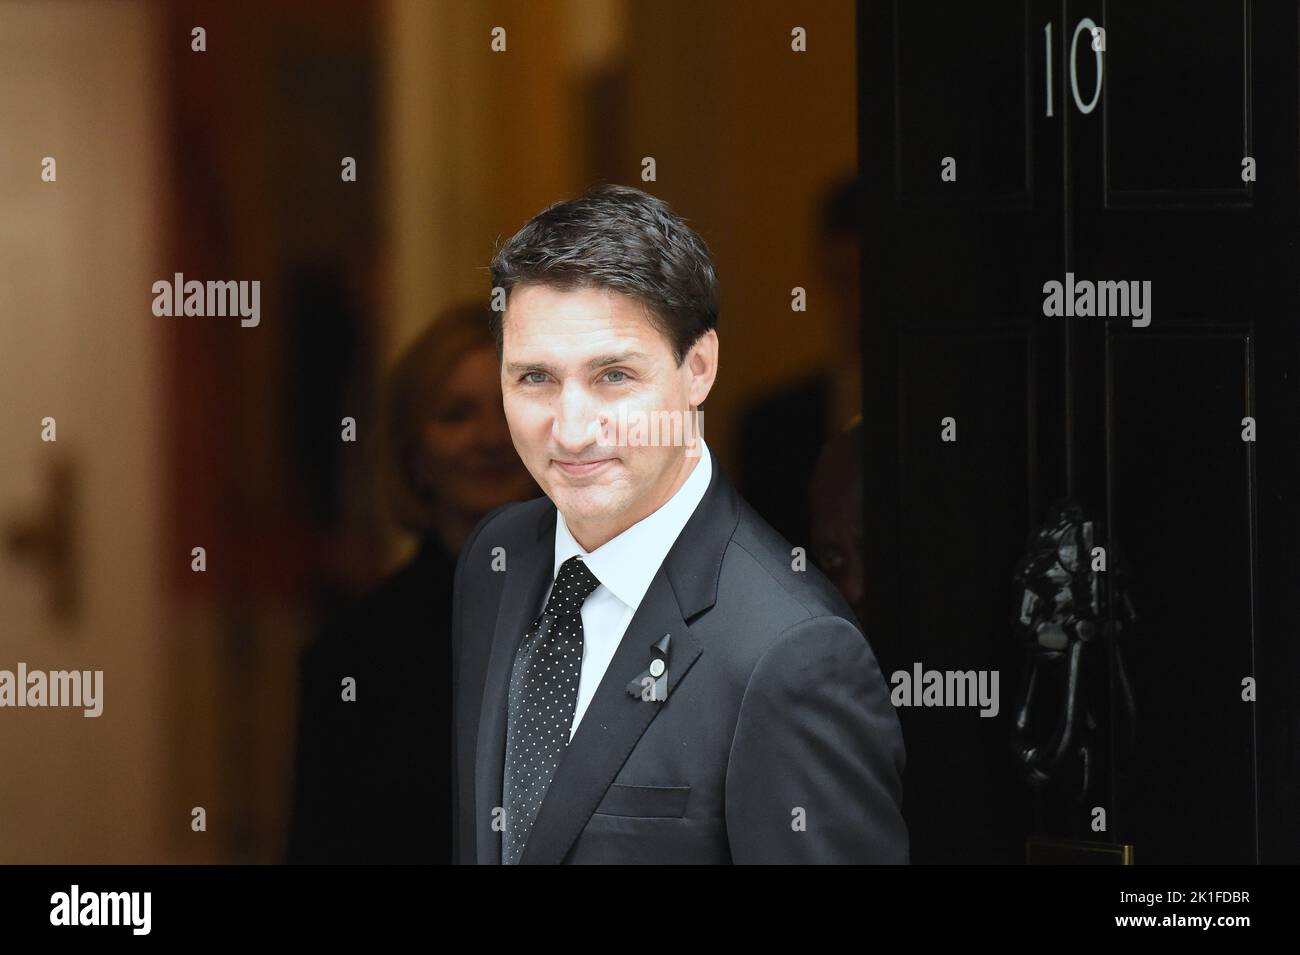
x=574, y=364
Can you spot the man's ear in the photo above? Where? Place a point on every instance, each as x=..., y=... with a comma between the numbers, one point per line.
x=702, y=362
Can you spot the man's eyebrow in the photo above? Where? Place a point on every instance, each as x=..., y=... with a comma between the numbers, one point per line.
x=519, y=367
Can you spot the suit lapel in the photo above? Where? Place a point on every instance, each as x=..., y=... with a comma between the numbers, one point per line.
x=527, y=576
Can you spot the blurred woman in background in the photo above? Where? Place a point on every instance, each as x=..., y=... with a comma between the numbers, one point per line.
x=373, y=781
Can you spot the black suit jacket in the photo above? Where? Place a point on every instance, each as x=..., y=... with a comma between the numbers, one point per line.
x=776, y=741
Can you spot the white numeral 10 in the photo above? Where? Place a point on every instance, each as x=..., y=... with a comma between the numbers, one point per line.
x=1092, y=29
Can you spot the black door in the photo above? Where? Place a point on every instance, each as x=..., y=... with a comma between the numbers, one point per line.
x=1152, y=147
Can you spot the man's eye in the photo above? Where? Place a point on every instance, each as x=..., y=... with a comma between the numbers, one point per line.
x=526, y=375
x=617, y=372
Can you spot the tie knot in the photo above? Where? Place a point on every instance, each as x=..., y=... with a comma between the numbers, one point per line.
x=573, y=585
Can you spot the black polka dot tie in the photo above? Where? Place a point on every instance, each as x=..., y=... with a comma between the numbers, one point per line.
x=543, y=694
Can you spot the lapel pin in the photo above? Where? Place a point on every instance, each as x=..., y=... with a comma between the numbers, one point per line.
x=652, y=685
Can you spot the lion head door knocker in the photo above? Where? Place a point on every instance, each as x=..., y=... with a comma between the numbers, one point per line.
x=1067, y=636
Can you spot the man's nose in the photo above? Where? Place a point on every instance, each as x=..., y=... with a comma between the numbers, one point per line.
x=577, y=419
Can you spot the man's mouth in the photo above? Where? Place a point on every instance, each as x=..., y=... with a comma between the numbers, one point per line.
x=583, y=468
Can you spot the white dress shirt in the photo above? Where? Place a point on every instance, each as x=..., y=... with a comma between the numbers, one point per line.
x=625, y=566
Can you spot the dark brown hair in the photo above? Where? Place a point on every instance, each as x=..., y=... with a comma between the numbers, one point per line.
x=623, y=239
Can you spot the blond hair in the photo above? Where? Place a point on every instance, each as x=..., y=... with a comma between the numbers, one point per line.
x=413, y=387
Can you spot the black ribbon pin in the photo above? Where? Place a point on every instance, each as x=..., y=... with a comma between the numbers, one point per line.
x=652, y=685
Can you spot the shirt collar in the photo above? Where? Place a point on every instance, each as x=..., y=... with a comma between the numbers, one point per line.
x=628, y=563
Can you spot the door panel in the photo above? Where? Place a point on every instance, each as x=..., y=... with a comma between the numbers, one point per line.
x=1141, y=425
x=78, y=343
x=1178, y=124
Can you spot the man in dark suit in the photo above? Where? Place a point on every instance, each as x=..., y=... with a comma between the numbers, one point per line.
x=644, y=671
